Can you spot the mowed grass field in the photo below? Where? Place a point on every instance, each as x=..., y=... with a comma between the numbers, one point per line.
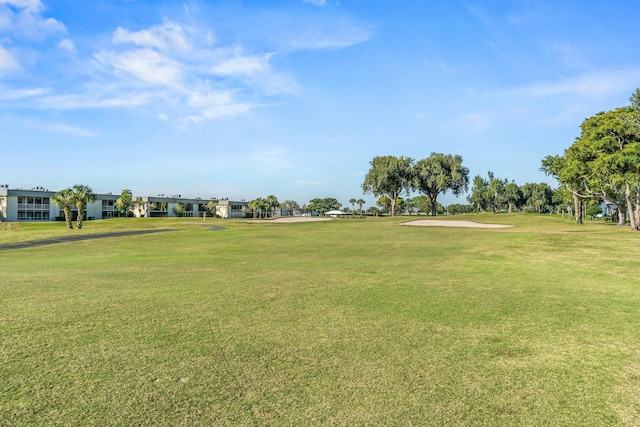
x=345, y=322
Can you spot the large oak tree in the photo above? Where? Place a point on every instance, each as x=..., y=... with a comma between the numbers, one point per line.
x=389, y=176
x=439, y=173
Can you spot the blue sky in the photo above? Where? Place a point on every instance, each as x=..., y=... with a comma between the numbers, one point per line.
x=243, y=99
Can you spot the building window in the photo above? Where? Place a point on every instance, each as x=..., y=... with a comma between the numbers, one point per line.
x=33, y=208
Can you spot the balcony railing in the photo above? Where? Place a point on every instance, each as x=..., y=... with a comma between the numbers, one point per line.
x=34, y=206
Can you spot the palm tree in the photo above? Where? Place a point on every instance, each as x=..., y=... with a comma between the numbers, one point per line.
x=82, y=195
x=271, y=202
x=255, y=205
x=353, y=205
x=65, y=199
x=360, y=202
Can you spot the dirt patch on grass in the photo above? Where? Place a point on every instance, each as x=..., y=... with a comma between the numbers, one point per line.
x=447, y=223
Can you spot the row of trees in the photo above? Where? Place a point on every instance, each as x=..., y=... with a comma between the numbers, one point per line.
x=486, y=195
x=266, y=206
x=603, y=164
x=391, y=176
x=263, y=207
x=493, y=194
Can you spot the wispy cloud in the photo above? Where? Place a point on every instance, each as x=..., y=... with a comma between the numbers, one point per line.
x=169, y=36
x=9, y=94
x=560, y=102
x=242, y=65
x=94, y=99
x=145, y=66
x=72, y=130
x=320, y=3
x=208, y=104
x=339, y=34
x=587, y=85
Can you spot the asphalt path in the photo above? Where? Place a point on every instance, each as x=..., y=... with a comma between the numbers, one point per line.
x=66, y=239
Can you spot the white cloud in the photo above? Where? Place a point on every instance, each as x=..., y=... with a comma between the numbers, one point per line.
x=242, y=65
x=72, y=130
x=178, y=72
x=320, y=3
x=588, y=85
x=162, y=37
x=68, y=45
x=23, y=18
x=144, y=65
x=94, y=99
x=207, y=104
x=9, y=94
x=8, y=62
x=33, y=6
x=342, y=35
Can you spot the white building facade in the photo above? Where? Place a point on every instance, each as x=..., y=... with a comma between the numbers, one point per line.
x=36, y=205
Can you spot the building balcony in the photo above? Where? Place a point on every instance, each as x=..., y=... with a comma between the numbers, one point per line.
x=33, y=206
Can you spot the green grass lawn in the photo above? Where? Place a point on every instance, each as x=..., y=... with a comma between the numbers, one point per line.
x=342, y=322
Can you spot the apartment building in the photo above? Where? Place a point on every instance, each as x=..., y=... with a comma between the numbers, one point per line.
x=36, y=205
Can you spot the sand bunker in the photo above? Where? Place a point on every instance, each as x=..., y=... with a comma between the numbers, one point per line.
x=446, y=223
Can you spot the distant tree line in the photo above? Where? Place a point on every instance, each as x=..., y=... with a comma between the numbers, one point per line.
x=390, y=177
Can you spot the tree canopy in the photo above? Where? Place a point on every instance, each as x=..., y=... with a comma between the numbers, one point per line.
x=323, y=205
x=289, y=206
x=604, y=162
x=439, y=173
x=389, y=176
x=494, y=194
x=125, y=202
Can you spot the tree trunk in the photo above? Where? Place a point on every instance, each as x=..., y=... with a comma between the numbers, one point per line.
x=630, y=208
x=577, y=204
x=619, y=213
x=434, y=206
x=67, y=217
x=638, y=206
